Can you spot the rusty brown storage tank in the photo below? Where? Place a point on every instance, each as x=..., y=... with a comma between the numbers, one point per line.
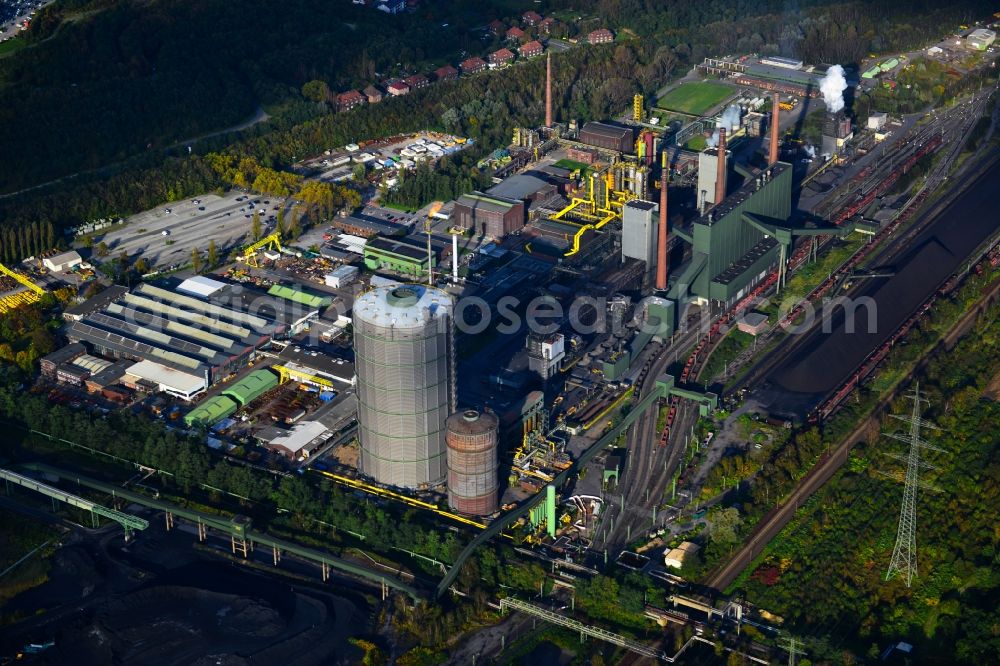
x=472, y=462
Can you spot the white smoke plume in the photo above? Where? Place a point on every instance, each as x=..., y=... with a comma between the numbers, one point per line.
x=833, y=86
x=730, y=118
x=810, y=150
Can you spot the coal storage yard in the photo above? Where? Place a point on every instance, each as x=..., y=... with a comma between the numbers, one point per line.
x=824, y=361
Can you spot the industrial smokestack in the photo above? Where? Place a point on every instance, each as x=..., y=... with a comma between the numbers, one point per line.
x=720, y=177
x=661, y=237
x=454, y=257
x=772, y=156
x=548, y=90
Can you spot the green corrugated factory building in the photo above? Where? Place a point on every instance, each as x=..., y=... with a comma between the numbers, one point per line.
x=210, y=412
x=396, y=256
x=299, y=296
x=251, y=387
x=735, y=242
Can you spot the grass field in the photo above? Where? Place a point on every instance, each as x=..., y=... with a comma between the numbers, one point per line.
x=695, y=98
x=697, y=143
x=10, y=46
x=571, y=165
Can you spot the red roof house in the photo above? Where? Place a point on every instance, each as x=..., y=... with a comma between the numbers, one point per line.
x=531, y=49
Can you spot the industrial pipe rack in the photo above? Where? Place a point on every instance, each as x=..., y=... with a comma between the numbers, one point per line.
x=237, y=528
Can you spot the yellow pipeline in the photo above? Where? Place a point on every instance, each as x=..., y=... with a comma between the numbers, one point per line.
x=388, y=494
x=604, y=412
x=22, y=280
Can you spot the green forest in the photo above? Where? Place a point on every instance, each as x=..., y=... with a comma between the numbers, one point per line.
x=103, y=81
x=112, y=89
x=826, y=571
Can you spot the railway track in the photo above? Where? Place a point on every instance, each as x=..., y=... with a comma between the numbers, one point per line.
x=653, y=457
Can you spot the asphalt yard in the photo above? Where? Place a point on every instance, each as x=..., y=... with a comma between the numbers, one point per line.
x=166, y=235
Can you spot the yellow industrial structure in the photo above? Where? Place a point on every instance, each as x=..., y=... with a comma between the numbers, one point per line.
x=286, y=373
x=378, y=491
x=431, y=212
x=250, y=253
x=637, y=106
x=32, y=294
x=608, y=190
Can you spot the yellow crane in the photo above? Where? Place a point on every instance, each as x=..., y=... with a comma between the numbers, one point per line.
x=286, y=373
x=250, y=252
x=33, y=293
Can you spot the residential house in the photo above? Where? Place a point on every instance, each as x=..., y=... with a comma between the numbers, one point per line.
x=350, y=99
x=496, y=27
x=373, y=94
x=515, y=34
x=502, y=57
x=398, y=88
x=473, y=65
x=531, y=17
x=531, y=49
x=601, y=36
x=446, y=73
x=416, y=81
x=392, y=6
x=546, y=24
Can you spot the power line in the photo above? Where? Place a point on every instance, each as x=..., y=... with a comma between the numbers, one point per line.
x=792, y=646
x=904, y=553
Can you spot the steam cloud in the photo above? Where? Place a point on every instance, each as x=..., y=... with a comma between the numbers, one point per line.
x=730, y=119
x=810, y=150
x=833, y=86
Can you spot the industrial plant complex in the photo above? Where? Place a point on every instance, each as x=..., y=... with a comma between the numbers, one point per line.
x=561, y=353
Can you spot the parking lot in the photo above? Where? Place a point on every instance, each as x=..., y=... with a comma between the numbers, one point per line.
x=166, y=235
x=384, y=154
x=14, y=12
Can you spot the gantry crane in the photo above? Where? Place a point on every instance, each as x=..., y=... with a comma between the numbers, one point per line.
x=33, y=293
x=250, y=252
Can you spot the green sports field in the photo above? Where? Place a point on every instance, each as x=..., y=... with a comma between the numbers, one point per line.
x=695, y=98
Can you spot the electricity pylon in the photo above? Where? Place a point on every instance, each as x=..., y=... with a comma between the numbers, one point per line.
x=792, y=645
x=904, y=554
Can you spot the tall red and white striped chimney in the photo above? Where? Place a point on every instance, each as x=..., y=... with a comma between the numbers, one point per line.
x=772, y=155
x=548, y=90
x=720, y=176
x=661, y=237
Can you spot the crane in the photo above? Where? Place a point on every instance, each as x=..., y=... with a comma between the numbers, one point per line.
x=250, y=252
x=32, y=294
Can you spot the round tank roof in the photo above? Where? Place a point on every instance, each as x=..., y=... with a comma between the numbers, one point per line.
x=402, y=306
x=471, y=422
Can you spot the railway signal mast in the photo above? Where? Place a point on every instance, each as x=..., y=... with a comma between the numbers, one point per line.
x=904, y=554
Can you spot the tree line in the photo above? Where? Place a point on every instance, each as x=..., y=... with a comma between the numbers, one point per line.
x=827, y=568
x=589, y=83
x=33, y=239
